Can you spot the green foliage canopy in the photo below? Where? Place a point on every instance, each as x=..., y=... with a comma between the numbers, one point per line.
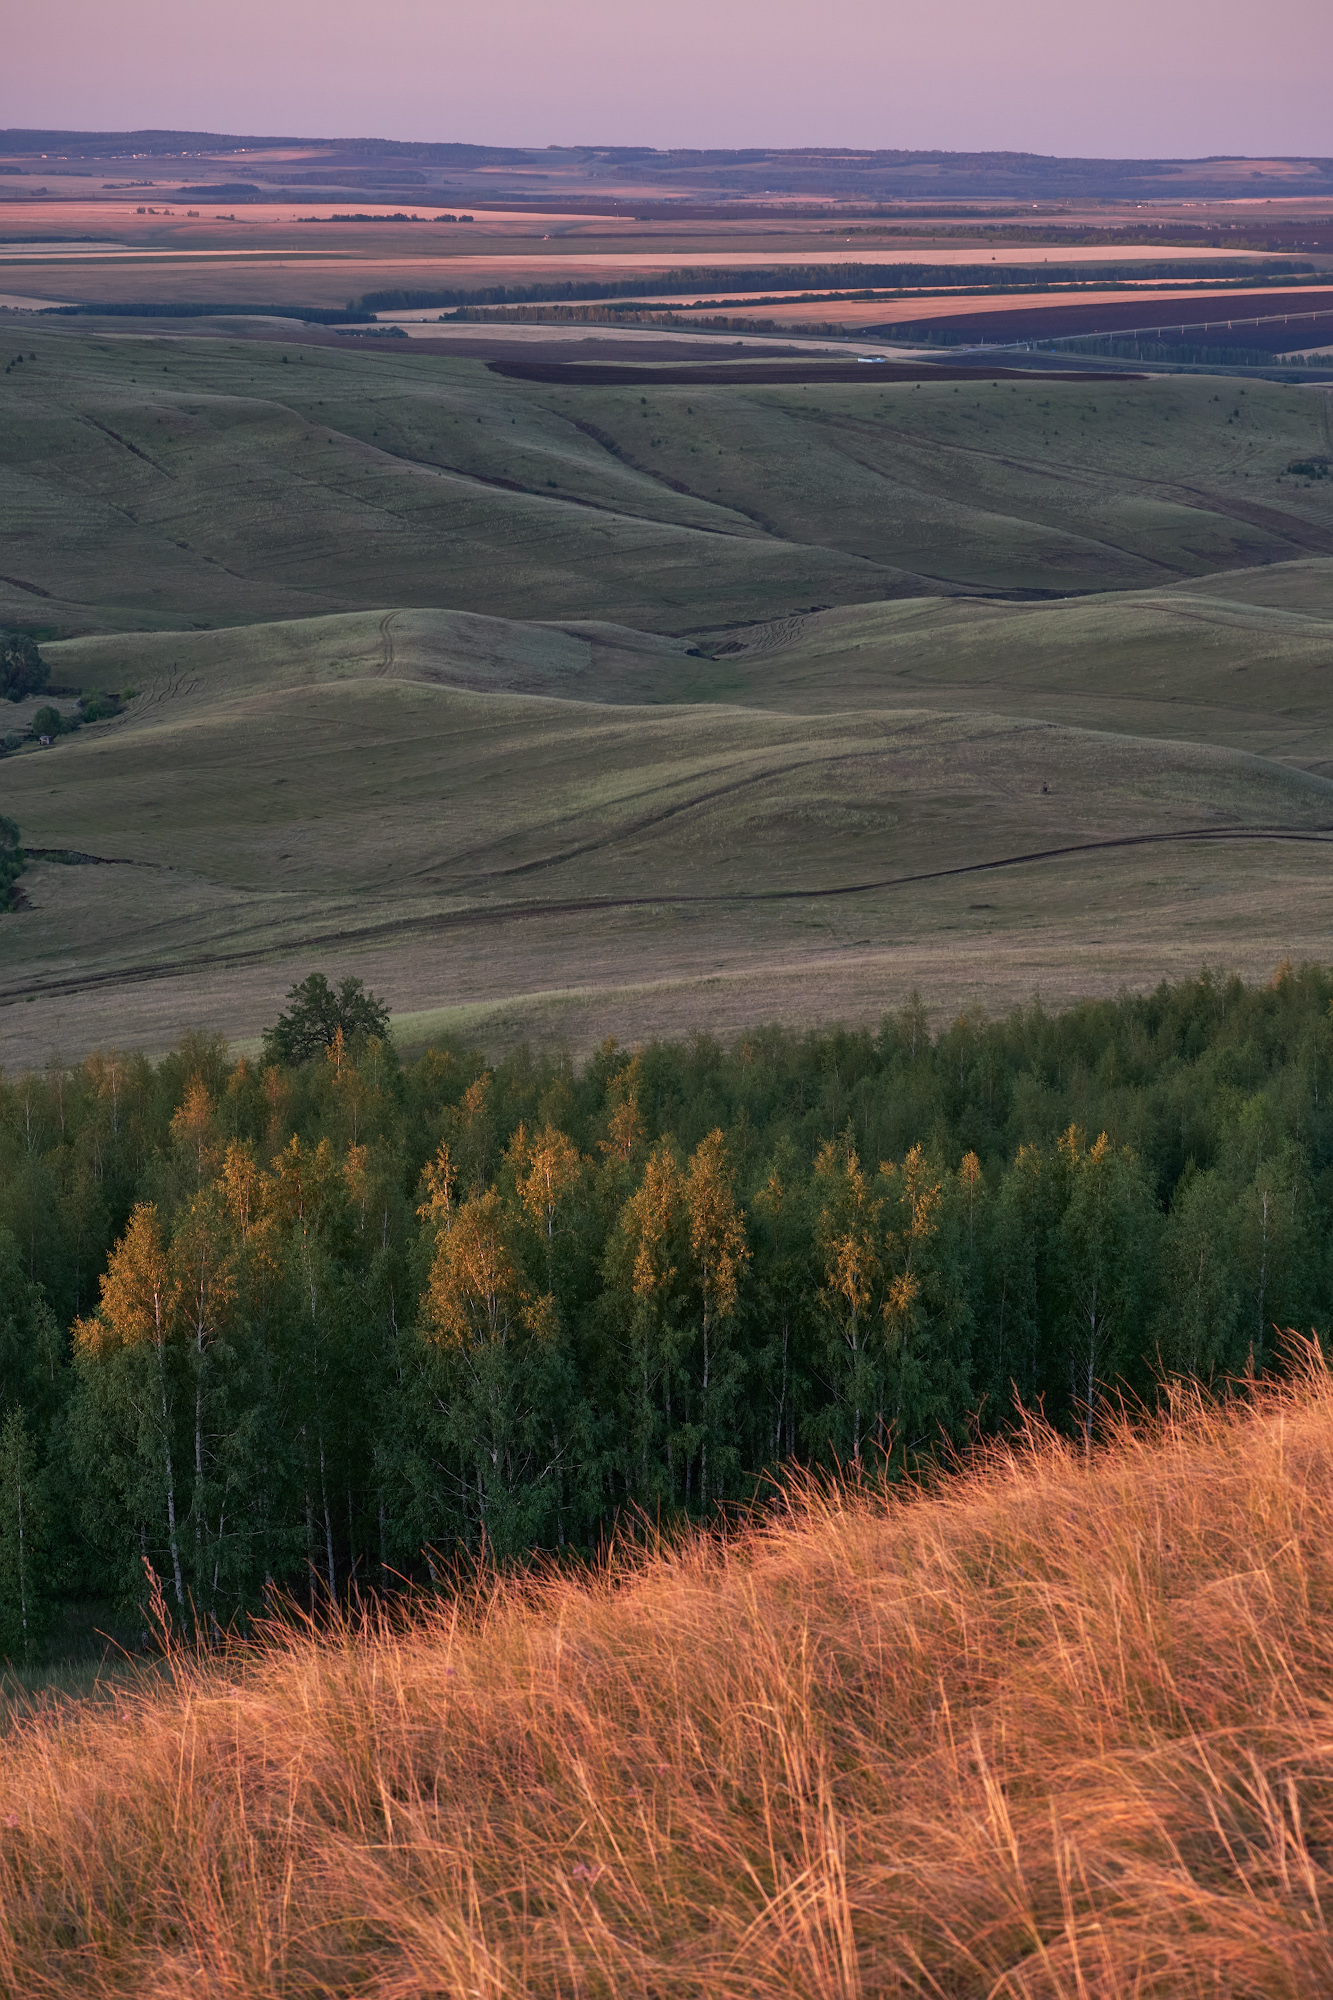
x=22, y=669
x=12, y=860
x=325, y=1323
x=317, y=1014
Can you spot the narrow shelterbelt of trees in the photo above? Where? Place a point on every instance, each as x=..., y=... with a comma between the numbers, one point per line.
x=324, y=1325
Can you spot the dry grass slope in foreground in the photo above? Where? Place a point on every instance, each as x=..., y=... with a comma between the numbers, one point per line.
x=1062, y=1727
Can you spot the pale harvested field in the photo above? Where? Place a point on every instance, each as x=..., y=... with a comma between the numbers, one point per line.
x=117, y=216
x=427, y=326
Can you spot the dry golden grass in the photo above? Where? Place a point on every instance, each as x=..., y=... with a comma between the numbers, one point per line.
x=1060, y=1728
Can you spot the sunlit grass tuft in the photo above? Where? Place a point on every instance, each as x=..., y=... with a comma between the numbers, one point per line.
x=1061, y=1726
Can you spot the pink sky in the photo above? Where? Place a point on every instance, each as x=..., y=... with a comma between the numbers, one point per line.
x=1147, y=77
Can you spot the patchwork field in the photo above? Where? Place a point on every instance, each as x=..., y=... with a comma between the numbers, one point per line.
x=108, y=246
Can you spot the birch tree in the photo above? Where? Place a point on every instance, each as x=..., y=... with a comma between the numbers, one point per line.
x=24, y=1594
x=847, y=1236
x=130, y=1353
x=718, y=1254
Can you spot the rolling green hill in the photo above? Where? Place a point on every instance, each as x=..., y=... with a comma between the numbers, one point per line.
x=174, y=482
x=1243, y=659
x=1061, y=721
x=378, y=786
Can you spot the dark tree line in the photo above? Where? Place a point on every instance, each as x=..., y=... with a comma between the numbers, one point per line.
x=23, y=671
x=13, y=861
x=315, y=1323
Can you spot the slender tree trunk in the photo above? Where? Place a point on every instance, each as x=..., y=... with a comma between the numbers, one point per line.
x=559, y=1488
x=328, y=1519
x=1004, y=1294
x=782, y=1395
x=171, y=1517
x=171, y=1486
x=310, y=1546
x=1263, y=1281
x=703, y=1449
x=1092, y=1370
x=23, y=1564
x=319, y=1434
x=217, y=1564
x=199, y=1464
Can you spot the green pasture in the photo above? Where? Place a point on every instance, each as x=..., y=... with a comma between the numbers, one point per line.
x=367, y=790
x=1244, y=659
x=583, y=711
x=1240, y=660
x=169, y=482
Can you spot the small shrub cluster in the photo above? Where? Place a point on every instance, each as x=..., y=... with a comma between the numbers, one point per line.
x=52, y=722
x=23, y=672
x=12, y=861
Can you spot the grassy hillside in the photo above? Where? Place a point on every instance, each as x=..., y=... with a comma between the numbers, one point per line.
x=388, y=786
x=1241, y=659
x=331, y=791
x=611, y=710
x=1056, y=1729
x=174, y=482
x=996, y=794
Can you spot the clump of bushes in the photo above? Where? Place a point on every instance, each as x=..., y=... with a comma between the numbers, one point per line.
x=12, y=862
x=23, y=671
x=100, y=707
x=49, y=721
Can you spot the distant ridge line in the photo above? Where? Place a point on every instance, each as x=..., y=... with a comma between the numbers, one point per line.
x=783, y=172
